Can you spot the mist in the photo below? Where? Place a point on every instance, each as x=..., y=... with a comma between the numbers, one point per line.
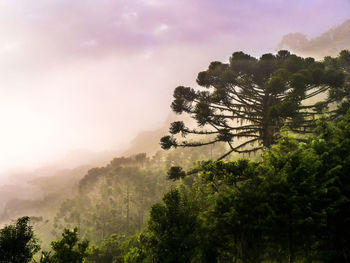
x=94, y=145
x=88, y=76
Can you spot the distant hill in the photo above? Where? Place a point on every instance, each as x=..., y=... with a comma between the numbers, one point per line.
x=148, y=141
x=28, y=192
x=39, y=192
x=329, y=43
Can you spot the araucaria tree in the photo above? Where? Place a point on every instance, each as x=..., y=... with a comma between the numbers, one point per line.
x=246, y=102
x=341, y=63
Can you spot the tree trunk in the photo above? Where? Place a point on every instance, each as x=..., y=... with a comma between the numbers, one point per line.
x=141, y=210
x=291, y=256
x=127, y=209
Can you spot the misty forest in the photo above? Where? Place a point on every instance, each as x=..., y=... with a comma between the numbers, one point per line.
x=253, y=165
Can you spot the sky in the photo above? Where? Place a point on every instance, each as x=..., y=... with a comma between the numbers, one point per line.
x=91, y=75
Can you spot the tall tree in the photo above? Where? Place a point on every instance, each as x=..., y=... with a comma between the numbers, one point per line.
x=252, y=99
x=171, y=234
x=341, y=63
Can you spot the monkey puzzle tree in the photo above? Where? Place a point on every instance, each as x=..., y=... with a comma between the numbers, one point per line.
x=251, y=99
x=341, y=63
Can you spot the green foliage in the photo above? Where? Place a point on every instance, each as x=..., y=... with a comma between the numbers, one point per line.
x=110, y=250
x=18, y=243
x=341, y=94
x=171, y=236
x=175, y=173
x=135, y=250
x=292, y=206
x=67, y=250
x=114, y=199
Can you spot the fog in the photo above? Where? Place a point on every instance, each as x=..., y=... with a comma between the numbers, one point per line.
x=88, y=76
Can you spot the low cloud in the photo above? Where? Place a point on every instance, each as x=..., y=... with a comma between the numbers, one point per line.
x=92, y=74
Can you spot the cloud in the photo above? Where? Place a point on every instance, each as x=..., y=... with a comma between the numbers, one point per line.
x=92, y=74
x=161, y=29
x=129, y=26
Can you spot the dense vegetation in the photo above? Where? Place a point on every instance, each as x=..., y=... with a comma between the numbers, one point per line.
x=292, y=206
x=116, y=198
x=289, y=204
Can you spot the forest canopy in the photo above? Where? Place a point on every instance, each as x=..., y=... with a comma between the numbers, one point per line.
x=292, y=206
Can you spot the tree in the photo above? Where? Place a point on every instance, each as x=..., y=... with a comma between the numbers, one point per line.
x=110, y=251
x=171, y=234
x=67, y=250
x=341, y=63
x=252, y=99
x=293, y=206
x=18, y=243
x=114, y=199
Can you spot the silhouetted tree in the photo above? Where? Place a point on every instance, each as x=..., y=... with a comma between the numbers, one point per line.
x=18, y=243
x=67, y=250
x=341, y=63
x=171, y=235
x=252, y=99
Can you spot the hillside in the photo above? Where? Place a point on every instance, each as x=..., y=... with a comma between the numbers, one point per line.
x=329, y=43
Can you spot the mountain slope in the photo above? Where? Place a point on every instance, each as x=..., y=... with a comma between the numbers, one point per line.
x=329, y=43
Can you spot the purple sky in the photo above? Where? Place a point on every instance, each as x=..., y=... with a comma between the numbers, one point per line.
x=92, y=74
